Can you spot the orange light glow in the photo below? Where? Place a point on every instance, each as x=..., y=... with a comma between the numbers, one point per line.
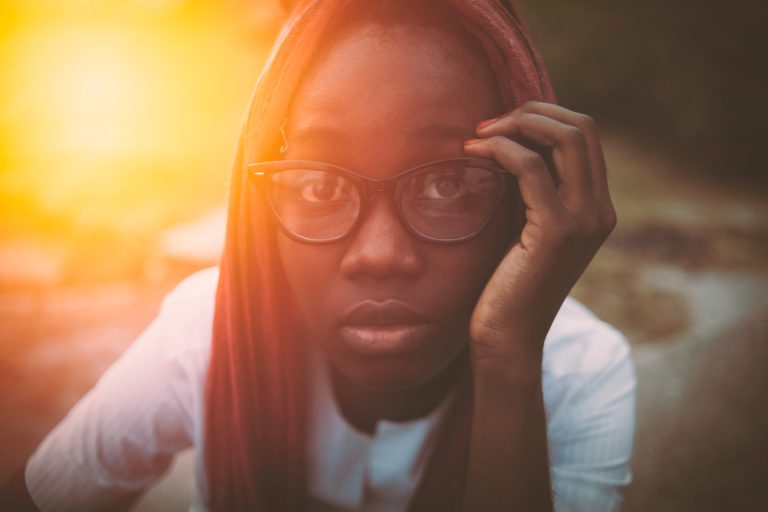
x=122, y=116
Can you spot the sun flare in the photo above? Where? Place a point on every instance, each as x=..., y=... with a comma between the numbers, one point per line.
x=107, y=111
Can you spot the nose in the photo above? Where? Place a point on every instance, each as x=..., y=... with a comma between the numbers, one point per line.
x=381, y=246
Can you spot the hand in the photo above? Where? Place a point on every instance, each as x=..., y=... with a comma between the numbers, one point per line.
x=565, y=224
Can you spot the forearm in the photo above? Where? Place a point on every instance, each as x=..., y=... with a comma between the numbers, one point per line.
x=508, y=467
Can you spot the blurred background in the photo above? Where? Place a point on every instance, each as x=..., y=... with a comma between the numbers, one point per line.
x=118, y=121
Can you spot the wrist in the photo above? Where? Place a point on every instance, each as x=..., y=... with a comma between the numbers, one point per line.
x=514, y=347
x=515, y=364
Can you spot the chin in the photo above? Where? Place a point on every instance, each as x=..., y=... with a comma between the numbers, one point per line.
x=393, y=373
x=388, y=375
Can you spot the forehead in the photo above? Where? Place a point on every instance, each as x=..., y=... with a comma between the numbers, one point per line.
x=397, y=98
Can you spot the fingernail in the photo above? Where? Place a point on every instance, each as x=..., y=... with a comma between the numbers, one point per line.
x=469, y=142
x=487, y=122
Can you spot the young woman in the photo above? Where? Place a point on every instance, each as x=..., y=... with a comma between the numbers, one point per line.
x=389, y=328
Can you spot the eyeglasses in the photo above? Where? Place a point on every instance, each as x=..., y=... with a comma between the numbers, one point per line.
x=445, y=201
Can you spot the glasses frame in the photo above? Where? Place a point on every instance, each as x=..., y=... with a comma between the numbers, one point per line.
x=391, y=186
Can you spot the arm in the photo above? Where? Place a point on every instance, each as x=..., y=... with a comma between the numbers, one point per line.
x=508, y=464
x=568, y=214
x=591, y=429
x=122, y=435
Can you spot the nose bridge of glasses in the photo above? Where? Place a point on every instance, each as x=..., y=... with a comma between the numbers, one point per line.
x=380, y=216
x=373, y=185
x=378, y=186
x=386, y=185
x=386, y=189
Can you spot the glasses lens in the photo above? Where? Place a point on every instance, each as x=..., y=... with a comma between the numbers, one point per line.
x=450, y=201
x=314, y=204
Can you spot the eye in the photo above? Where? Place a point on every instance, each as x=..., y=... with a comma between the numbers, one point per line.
x=323, y=189
x=442, y=184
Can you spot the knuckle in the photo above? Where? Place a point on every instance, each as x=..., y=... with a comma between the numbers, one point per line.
x=574, y=136
x=497, y=141
x=519, y=115
x=583, y=229
x=505, y=119
x=532, y=160
x=598, y=224
x=591, y=228
x=587, y=122
x=566, y=230
x=610, y=219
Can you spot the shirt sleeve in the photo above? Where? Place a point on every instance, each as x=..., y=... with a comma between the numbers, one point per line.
x=592, y=437
x=121, y=436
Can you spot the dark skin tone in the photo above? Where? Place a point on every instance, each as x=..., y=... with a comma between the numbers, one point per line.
x=405, y=126
x=492, y=299
x=379, y=105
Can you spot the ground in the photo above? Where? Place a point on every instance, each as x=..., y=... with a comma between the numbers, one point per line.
x=684, y=276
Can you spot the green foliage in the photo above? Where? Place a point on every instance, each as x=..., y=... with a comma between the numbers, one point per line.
x=691, y=74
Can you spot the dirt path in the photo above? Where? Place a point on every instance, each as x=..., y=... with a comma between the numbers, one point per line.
x=702, y=410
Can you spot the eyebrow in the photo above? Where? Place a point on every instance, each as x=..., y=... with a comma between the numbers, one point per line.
x=330, y=132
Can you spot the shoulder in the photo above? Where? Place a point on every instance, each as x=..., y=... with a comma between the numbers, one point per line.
x=196, y=291
x=580, y=344
x=121, y=436
x=589, y=388
x=186, y=314
x=587, y=370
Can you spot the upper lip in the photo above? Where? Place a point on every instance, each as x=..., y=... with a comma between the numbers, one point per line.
x=390, y=312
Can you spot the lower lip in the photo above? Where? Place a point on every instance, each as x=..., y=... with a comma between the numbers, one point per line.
x=384, y=339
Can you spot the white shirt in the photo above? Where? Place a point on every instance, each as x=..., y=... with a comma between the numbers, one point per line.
x=122, y=435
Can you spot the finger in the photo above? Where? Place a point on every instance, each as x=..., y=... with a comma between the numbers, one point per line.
x=592, y=136
x=588, y=127
x=537, y=189
x=569, y=152
x=594, y=146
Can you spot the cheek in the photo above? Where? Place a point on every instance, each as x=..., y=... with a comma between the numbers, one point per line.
x=309, y=271
x=481, y=256
x=459, y=273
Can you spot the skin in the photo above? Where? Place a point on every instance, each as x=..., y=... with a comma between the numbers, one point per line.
x=335, y=119
x=491, y=300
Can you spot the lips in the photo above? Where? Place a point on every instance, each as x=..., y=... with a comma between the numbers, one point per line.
x=381, y=314
x=381, y=328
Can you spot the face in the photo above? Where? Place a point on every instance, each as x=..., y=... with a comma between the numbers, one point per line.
x=379, y=104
